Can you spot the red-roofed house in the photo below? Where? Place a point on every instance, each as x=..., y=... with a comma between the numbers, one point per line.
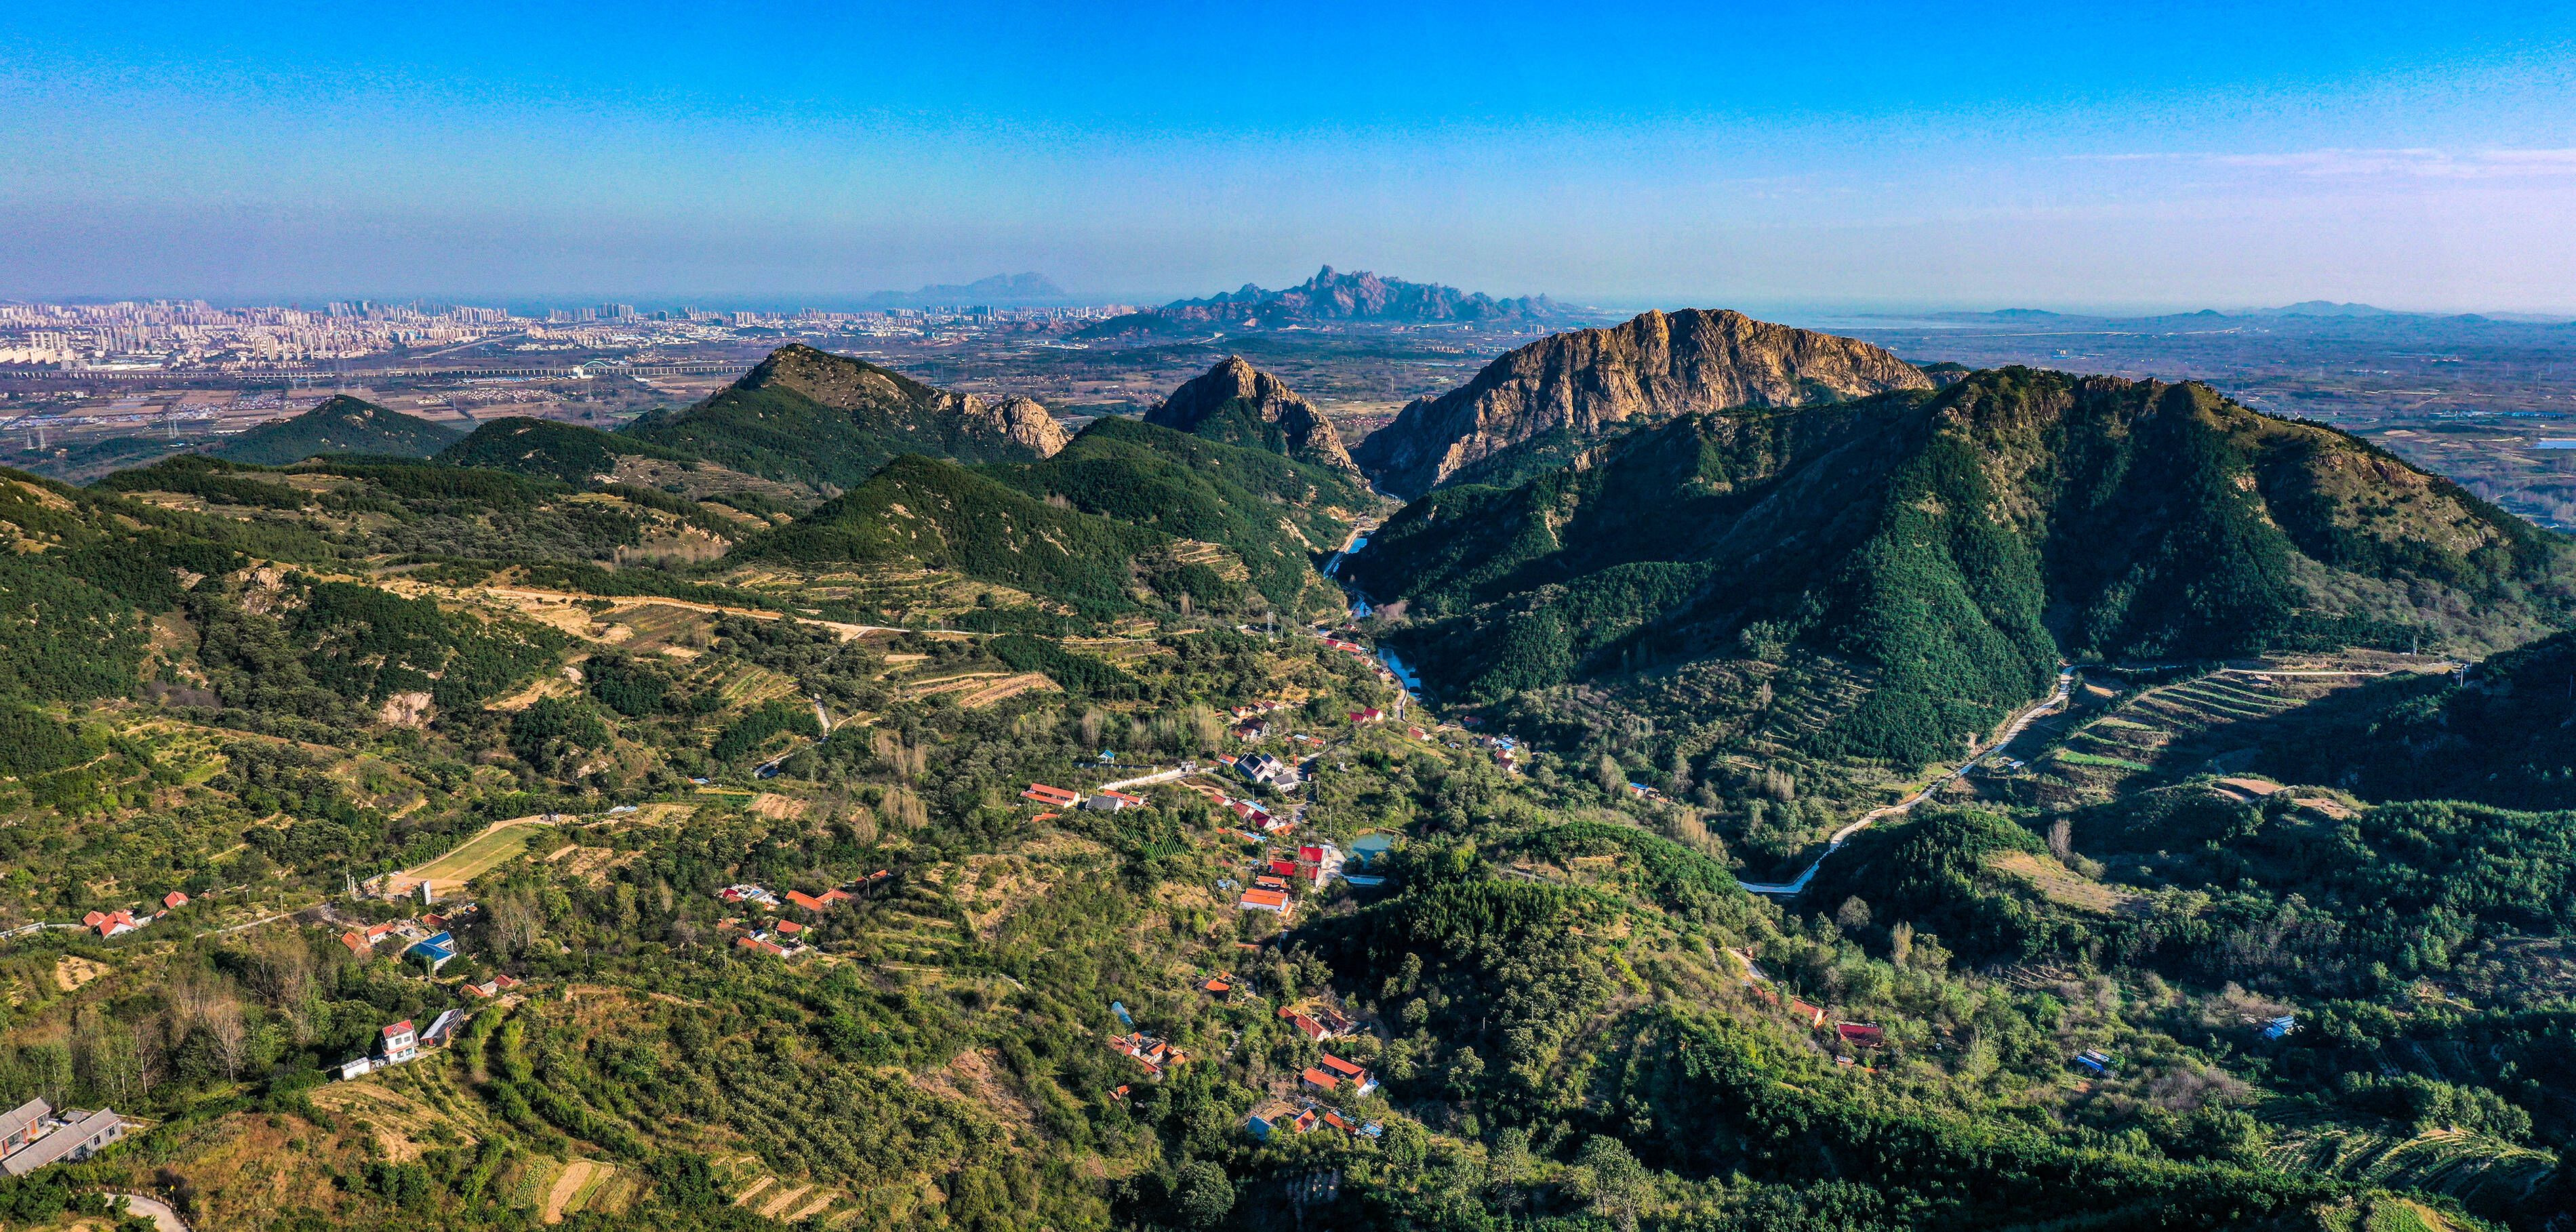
x=1861, y=1035
x=1347, y=1072
x=1055, y=796
x=807, y=901
x=357, y=943
x=93, y=919
x=1320, y=1080
x=1112, y=801
x=1815, y=1016
x=770, y=948
x=173, y=901
x=790, y=928
x=1307, y=1027
x=1263, y=900
x=1370, y=715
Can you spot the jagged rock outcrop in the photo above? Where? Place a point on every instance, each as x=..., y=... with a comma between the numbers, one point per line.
x=1331, y=296
x=1022, y=421
x=1553, y=397
x=1239, y=404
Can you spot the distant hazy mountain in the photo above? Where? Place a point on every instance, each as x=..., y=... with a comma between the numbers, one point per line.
x=340, y=425
x=2323, y=308
x=1235, y=403
x=809, y=416
x=1540, y=405
x=1330, y=296
x=998, y=290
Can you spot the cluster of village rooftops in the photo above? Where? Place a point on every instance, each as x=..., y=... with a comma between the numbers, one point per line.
x=36, y=1133
x=780, y=935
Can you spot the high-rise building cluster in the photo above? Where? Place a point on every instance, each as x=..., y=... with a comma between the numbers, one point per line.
x=191, y=335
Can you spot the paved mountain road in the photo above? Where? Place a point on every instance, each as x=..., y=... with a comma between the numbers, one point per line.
x=2012, y=730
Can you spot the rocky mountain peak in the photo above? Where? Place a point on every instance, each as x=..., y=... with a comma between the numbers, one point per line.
x=1240, y=404
x=1570, y=389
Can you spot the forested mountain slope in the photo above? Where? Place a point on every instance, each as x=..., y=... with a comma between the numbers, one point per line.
x=569, y=453
x=1273, y=513
x=1958, y=544
x=768, y=932
x=1539, y=405
x=810, y=416
x=926, y=513
x=341, y=424
x=2505, y=735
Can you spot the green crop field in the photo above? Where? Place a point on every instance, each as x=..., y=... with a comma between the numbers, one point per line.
x=477, y=855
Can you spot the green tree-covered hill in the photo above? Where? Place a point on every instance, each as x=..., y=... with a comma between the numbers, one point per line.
x=1275, y=513
x=808, y=416
x=933, y=514
x=1956, y=544
x=570, y=453
x=340, y=425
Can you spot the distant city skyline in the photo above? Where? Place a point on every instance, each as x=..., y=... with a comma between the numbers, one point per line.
x=2130, y=158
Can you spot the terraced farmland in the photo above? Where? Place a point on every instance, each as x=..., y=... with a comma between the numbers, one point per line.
x=2483, y=1173
x=2174, y=731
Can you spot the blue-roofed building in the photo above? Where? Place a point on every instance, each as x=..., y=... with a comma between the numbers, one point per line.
x=437, y=949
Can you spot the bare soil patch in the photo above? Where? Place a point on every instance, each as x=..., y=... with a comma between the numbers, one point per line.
x=70, y=973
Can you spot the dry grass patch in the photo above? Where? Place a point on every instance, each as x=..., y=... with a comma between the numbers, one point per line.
x=70, y=972
x=777, y=807
x=2063, y=886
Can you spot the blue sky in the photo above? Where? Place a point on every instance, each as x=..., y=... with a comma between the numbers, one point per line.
x=1853, y=155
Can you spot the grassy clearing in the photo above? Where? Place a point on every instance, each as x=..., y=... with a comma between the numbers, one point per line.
x=478, y=855
x=2088, y=759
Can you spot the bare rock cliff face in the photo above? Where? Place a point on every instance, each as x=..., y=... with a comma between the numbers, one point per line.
x=1242, y=399
x=1021, y=421
x=1595, y=381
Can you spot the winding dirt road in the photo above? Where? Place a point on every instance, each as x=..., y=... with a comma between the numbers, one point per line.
x=2011, y=731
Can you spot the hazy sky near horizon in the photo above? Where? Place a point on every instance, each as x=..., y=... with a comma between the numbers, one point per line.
x=1863, y=155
